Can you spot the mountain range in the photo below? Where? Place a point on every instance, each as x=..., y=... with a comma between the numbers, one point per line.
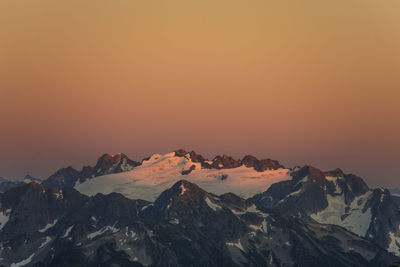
x=180, y=209
x=6, y=184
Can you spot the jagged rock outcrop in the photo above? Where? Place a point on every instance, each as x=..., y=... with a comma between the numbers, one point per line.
x=106, y=164
x=227, y=162
x=261, y=165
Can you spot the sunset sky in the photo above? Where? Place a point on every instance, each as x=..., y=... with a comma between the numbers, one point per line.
x=304, y=82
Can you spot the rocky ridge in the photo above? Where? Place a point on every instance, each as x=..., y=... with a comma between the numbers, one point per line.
x=185, y=226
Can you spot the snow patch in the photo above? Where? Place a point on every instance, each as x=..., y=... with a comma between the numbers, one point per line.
x=252, y=208
x=48, y=226
x=145, y=207
x=102, y=231
x=182, y=187
x=393, y=246
x=4, y=217
x=174, y=221
x=212, y=205
x=263, y=227
x=59, y=195
x=331, y=178
x=48, y=239
x=68, y=231
x=237, y=244
x=24, y=262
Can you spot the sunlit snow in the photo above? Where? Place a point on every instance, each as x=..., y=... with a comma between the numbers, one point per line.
x=160, y=172
x=68, y=231
x=183, y=189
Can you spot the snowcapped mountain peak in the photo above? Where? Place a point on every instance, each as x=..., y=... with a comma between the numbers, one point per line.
x=161, y=171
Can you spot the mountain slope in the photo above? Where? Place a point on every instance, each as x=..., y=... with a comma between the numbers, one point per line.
x=337, y=198
x=185, y=226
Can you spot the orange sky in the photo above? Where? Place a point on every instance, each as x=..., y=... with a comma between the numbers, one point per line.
x=312, y=82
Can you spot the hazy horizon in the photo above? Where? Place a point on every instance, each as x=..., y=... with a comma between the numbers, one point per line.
x=308, y=82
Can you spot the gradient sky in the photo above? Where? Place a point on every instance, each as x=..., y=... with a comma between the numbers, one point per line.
x=305, y=82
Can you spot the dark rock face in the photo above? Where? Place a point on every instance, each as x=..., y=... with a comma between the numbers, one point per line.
x=385, y=217
x=310, y=191
x=180, y=152
x=396, y=200
x=106, y=164
x=186, y=172
x=114, y=164
x=63, y=177
x=261, y=165
x=314, y=175
x=185, y=226
x=225, y=162
x=48, y=222
x=33, y=206
x=335, y=173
